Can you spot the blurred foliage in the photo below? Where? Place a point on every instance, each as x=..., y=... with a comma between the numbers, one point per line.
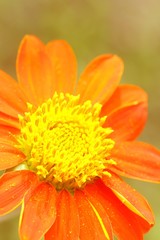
x=127, y=28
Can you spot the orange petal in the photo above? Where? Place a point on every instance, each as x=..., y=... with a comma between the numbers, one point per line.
x=127, y=122
x=137, y=160
x=129, y=196
x=92, y=226
x=66, y=225
x=8, y=120
x=34, y=70
x=10, y=156
x=7, y=131
x=124, y=95
x=38, y=212
x=102, y=216
x=100, y=79
x=12, y=99
x=64, y=65
x=125, y=223
x=13, y=186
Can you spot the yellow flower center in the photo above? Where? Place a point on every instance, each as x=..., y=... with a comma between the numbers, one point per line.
x=64, y=141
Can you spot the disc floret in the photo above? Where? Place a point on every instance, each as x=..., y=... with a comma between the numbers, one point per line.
x=64, y=141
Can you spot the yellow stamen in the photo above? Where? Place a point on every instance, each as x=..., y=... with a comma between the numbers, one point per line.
x=64, y=141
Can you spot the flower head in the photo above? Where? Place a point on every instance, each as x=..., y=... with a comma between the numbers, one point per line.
x=64, y=145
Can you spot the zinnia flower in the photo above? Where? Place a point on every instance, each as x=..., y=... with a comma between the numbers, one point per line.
x=64, y=145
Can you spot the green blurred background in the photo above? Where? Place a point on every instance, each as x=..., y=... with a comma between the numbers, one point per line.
x=130, y=29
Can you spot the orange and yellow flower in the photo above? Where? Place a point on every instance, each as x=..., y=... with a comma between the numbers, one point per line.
x=64, y=145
